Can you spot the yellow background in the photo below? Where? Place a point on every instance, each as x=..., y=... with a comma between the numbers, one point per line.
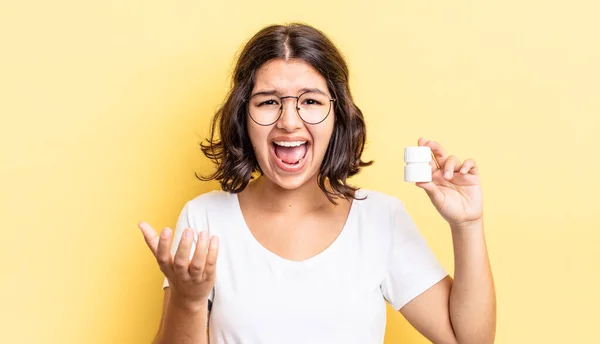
x=103, y=103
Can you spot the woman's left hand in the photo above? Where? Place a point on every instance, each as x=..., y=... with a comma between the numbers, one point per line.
x=455, y=189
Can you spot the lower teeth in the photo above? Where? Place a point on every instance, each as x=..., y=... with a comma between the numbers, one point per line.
x=292, y=163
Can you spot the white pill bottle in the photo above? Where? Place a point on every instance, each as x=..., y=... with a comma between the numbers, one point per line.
x=417, y=161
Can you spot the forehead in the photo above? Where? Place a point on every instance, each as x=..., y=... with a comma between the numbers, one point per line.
x=288, y=76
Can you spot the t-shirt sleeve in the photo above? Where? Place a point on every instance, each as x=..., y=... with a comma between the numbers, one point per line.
x=412, y=267
x=184, y=221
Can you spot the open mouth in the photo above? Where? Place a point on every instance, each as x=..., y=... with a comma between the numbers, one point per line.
x=291, y=153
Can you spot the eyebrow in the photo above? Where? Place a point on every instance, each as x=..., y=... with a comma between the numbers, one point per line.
x=302, y=90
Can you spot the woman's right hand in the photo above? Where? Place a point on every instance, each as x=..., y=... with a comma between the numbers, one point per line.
x=190, y=280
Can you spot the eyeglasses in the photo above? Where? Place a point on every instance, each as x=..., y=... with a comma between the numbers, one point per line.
x=312, y=106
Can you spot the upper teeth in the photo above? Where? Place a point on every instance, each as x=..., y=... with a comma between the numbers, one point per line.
x=290, y=143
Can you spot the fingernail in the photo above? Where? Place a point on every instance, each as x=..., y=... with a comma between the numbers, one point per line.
x=447, y=175
x=215, y=243
x=201, y=235
x=187, y=233
x=166, y=232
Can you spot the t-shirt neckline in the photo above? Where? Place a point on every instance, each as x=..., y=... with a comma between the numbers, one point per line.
x=273, y=257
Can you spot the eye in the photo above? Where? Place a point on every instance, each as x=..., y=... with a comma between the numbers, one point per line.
x=312, y=102
x=269, y=102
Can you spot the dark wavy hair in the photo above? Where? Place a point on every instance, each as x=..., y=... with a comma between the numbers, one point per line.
x=231, y=149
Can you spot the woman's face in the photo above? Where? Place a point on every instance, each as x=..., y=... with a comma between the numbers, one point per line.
x=289, y=151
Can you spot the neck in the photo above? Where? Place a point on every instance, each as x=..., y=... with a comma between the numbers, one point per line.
x=304, y=199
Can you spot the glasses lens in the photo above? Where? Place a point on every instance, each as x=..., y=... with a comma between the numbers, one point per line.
x=314, y=107
x=264, y=108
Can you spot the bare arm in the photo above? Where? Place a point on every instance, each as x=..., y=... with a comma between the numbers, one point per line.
x=464, y=310
x=473, y=299
x=180, y=324
x=191, y=278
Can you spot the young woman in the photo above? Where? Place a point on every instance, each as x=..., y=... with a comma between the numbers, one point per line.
x=304, y=257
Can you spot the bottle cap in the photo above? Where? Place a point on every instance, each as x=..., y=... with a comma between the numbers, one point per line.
x=417, y=154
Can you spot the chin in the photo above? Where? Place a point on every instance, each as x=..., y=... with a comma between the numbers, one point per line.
x=290, y=182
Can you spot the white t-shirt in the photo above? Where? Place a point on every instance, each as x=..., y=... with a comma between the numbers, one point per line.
x=337, y=296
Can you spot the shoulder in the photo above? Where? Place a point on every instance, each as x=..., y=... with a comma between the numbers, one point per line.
x=208, y=210
x=212, y=200
x=383, y=211
x=380, y=222
x=378, y=212
x=378, y=203
x=214, y=203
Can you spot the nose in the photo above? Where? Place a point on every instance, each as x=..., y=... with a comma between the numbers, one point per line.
x=289, y=120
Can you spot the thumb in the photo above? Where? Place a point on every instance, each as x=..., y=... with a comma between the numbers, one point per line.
x=150, y=236
x=432, y=191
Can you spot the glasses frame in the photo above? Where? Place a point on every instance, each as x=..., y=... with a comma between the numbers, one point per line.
x=297, y=108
